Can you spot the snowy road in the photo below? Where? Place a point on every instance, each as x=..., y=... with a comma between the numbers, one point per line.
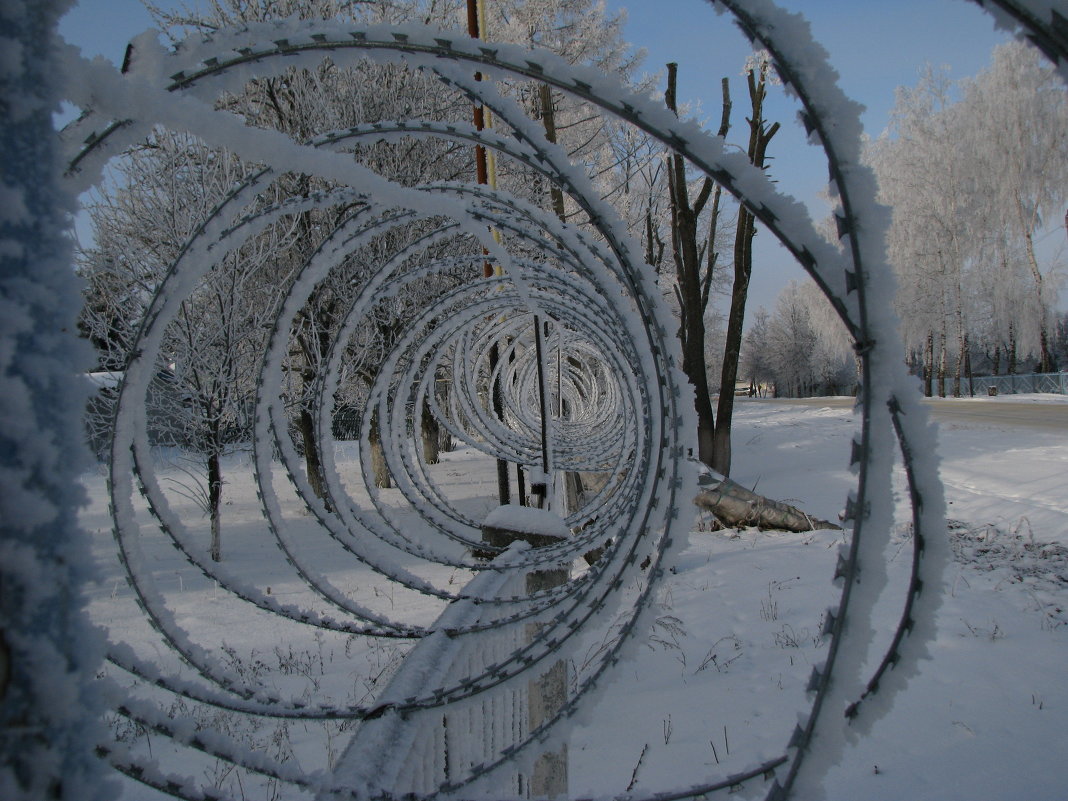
x=998, y=413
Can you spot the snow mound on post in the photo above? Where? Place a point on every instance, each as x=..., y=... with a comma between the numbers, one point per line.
x=527, y=520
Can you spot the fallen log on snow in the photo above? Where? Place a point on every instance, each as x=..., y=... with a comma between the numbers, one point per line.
x=736, y=507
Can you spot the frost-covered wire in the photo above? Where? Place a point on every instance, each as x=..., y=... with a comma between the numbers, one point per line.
x=622, y=407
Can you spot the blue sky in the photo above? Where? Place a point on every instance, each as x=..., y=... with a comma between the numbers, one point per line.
x=876, y=46
x=103, y=27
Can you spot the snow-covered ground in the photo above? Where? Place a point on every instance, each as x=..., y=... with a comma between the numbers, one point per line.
x=718, y=683
x=986, y=717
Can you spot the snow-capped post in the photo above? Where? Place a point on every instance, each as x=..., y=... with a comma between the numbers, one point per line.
x=546, y=694
x=49, y=720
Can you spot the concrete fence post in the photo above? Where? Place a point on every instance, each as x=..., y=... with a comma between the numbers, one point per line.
x=547, y=693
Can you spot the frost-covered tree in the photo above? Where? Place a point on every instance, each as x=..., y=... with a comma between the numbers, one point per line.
x=305, y=102
x=755, y=361
x=580, y=32
x=926, y=178
x=806, y=347
x=973, y=172
x=1020, y=148
x=695, y=248
x=205, y=382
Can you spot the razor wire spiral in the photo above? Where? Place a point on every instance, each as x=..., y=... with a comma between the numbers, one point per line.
x=628, y=407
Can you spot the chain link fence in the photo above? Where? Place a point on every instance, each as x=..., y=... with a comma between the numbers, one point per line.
x=1056, y=383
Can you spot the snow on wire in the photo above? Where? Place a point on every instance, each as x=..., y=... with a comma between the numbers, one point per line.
x=629, y=410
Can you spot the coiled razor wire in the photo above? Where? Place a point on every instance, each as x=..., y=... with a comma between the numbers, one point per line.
x=628, y=408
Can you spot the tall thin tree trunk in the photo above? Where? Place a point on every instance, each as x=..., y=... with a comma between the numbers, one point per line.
x=1045, y=357
x=315, y=346
x=743, y=266
x=958, y=370
x=997, y=359
x=968, y=366
x=378, y=458
x=928, y=363
x=215, y=503
x=962, y=340
x=943, y=362
x=1011, y=370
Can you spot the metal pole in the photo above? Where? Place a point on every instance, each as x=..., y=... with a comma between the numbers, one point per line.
x=541, y=489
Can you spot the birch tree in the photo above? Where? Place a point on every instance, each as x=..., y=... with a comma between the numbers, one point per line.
x=976, y=173
x=926, y=179
x=1020, y=146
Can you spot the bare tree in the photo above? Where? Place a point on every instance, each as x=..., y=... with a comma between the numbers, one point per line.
x=760, y=135
x=695, y=264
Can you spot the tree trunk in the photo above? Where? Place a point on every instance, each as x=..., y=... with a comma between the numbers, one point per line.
x=1012, y=349
x=721, y=453
x=734, y=506
x=1046, y=359
x=997, y=359
x=315, y=346
x=958, y=371
x=548, y=121
x=943, y=362
x=215, y=503
x=968, y=366
x=378, y=458
x=312, y=462
x=962, y=343
x=928, y=364
x=431, y=435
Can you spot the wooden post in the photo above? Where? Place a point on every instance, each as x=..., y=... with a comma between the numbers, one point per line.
x=482, y=176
